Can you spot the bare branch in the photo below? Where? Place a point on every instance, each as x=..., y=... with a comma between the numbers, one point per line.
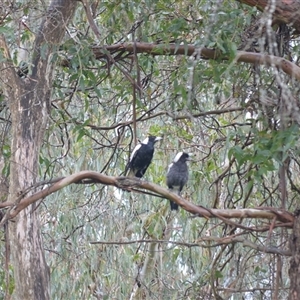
x=90, y=18
x=145, y=241
x=245, y=242
x=190, y=50
x=219, y=241
x=128, y=183
x=148, y=116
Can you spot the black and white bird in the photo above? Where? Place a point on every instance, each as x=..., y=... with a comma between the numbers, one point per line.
x=178, y=175
x=141, y=157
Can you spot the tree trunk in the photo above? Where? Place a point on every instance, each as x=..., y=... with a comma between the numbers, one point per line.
x=29, y=103
x=29, y=265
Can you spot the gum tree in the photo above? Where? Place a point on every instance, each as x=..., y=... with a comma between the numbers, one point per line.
x=29, y=100
x=82, y=82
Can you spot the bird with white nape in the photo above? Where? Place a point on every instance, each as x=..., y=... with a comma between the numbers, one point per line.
x=178, y=175
x=141, y=157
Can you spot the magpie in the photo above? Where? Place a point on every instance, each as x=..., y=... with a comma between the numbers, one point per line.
x=141, y=157
x=178, y=175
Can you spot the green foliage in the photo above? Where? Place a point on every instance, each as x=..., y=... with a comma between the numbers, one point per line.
x=268, y=150
x=3, y=283
x=186, y=100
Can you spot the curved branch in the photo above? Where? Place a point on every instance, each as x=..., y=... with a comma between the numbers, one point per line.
x=173, y=49
x=127, y=183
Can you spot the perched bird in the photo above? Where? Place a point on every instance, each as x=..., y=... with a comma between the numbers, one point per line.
x=141, y=157
x=178, y=175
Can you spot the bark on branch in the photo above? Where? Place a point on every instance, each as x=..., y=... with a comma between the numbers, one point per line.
x=286, y=11
x=132, y=184
x=52, y=31
x=205, y=53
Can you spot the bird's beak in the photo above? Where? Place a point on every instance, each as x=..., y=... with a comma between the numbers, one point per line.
x=190, y=154
x=158, y=139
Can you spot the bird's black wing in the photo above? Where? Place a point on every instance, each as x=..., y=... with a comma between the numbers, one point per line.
x=171, y=180
x=177, y=177
x=141, y=172
x=132, y=158
x=143, y=159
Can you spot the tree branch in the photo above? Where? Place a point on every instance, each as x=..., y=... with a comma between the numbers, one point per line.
x=145, y=241
x=51, y=32
x=246, y=243
x=147, y=116
x=190, y=50
x=287, y=12
x=127, y=183
x=219, y=241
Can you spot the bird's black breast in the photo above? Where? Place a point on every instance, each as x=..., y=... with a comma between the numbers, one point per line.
x=177, y=175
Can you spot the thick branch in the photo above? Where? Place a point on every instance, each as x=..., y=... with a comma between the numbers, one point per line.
x=173, y=49
x=286, y=11
x=52, y=31
x=129, y=183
